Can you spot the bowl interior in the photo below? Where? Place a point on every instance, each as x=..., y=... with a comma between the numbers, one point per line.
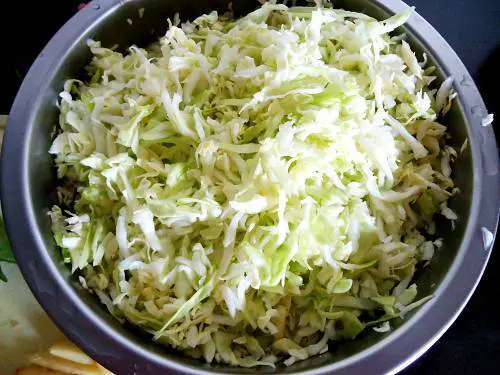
x=112, y=28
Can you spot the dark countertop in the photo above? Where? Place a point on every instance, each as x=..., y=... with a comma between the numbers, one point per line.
x=472, y=344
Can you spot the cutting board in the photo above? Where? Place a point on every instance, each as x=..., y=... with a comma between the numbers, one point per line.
x=24, y=327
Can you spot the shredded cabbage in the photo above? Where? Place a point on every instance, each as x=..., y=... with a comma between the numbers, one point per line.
x=248, y=189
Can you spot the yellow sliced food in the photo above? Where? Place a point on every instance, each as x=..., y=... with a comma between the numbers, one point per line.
x=71, y=352
x=36, y=370
x=104, y=371
x=52, y=362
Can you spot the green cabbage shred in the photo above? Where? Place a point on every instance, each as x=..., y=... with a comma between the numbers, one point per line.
x=246, y=190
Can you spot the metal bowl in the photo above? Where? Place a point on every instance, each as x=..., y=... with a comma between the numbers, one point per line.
x=28, y=182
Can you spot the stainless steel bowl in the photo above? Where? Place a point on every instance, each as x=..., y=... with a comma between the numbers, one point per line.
x=28, y=182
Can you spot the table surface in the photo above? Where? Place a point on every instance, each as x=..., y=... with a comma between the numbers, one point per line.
x=472, y=344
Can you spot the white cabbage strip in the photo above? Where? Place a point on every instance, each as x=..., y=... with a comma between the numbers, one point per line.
x=247, y=190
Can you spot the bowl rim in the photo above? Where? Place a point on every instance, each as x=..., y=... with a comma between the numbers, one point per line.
x=388, y=355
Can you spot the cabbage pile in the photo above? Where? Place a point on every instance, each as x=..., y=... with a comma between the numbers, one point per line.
x=248, y=189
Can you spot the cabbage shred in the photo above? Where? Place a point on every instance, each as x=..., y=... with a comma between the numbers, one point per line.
x=247, y=190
